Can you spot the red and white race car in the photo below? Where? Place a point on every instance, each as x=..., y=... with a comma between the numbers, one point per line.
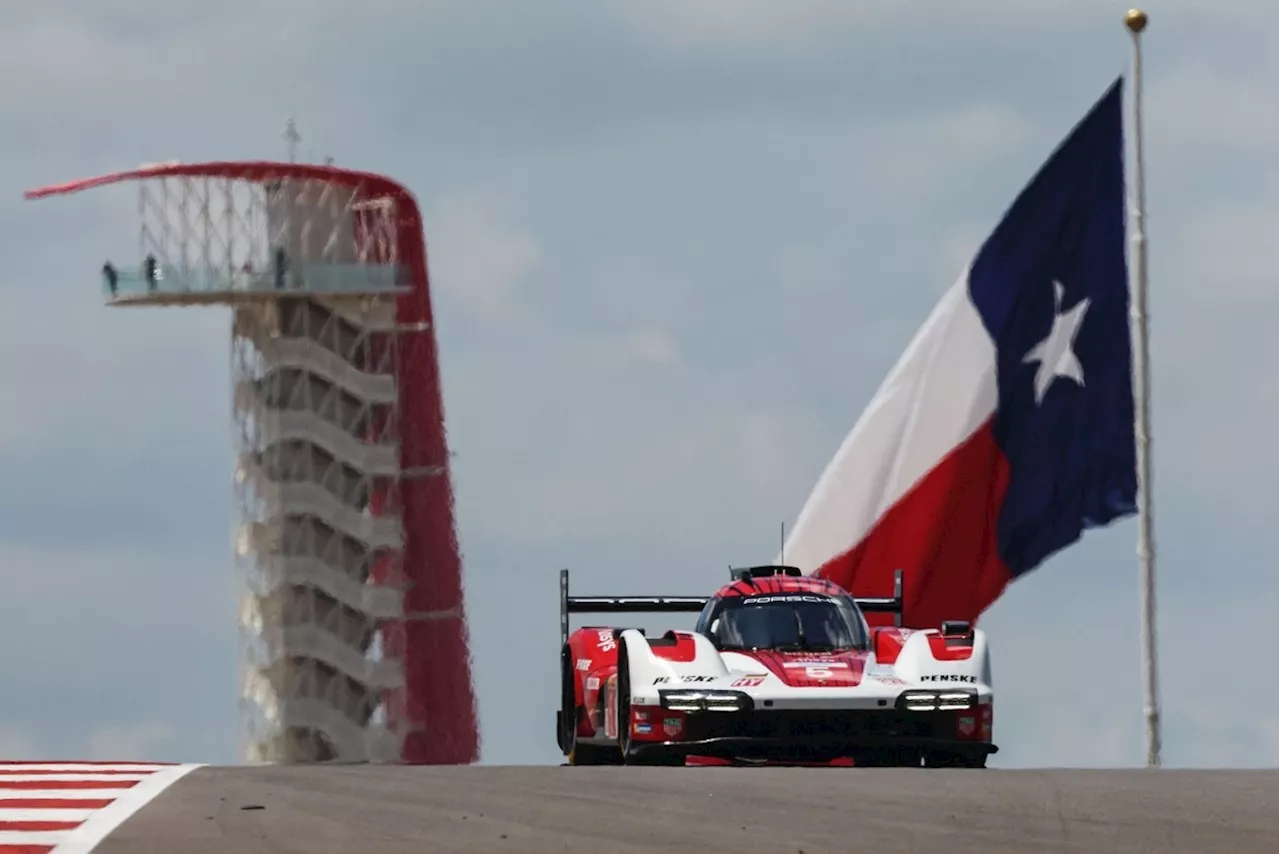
x=781, y=668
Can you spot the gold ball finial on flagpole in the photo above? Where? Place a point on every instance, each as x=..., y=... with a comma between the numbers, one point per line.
x=1135, y=20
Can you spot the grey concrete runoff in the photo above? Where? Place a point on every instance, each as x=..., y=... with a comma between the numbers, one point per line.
x=366, y=809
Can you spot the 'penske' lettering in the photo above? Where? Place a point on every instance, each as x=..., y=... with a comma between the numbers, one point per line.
x=662, y=680
x=948, y=677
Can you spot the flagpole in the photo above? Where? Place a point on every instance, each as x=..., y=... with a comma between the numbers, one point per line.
x=1136, y=21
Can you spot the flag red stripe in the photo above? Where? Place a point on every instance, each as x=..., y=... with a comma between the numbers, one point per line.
x=942, y=535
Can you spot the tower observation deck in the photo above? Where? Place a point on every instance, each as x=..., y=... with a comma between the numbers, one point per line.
x=353, y=632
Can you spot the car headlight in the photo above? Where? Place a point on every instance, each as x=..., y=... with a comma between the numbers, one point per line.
x=705, y=701
x=934, y=701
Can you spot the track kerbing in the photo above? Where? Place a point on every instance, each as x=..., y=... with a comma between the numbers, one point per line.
x=70, y=807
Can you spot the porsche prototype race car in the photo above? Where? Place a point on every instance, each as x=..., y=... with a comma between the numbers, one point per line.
x=781, y=668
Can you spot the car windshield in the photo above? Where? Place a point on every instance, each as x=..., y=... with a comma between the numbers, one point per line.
x=799, y=622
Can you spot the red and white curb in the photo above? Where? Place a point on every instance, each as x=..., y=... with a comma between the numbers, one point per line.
x=69, y=807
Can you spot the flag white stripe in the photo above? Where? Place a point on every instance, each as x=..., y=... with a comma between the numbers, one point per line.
x=940, y=392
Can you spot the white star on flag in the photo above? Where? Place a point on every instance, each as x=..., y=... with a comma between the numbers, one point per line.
x=1054, y=353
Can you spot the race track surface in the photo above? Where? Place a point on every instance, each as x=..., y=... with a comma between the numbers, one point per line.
x=357, y=809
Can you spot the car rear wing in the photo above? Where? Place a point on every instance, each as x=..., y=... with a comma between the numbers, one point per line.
x=694, y=604
x=621, y=605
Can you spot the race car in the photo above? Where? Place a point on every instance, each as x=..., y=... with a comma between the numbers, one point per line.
x=781, y=668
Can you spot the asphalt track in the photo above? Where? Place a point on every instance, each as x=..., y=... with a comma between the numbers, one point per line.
x=354, y=809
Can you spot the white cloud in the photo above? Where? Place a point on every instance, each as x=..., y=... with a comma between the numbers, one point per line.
x=959, y=247
x=763, y=25
x=1213, y=306
x=656, y=346
x=703, y=476
x=17, y=743
x=122, y=648
x=767, y=450
x=129, y=742
x=1224, y=252
x=744, y=25
x=477, y=256
x=909, y=158
x=1199, y=110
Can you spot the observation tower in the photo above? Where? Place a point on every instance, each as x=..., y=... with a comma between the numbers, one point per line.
x=353, y=633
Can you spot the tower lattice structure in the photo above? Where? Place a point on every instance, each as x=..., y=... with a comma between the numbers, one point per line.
x=353, y=630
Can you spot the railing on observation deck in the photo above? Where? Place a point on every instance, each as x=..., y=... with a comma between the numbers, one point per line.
x=333, y=279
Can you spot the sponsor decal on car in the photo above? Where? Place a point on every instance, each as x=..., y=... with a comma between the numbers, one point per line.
x=948, y=677
x=593, y=683
x=789, y=597
x=662, y=680
x=641, y=728
x=584, y=664
x=966, y=725
x=751, y=680
x=606, y=641
x=890, y=680
x=672, y=726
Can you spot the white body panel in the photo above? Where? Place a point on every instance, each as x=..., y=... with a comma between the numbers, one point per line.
x=915, y=669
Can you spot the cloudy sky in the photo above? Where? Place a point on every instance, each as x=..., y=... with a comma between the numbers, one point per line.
x=675, y=245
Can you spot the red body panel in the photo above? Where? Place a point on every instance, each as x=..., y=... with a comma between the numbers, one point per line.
x=772, y=584
x=675, y=646
x=950, y=649
x=593, y=659
x=888, y=642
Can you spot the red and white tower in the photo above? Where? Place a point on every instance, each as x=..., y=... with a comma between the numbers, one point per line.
x=354, y=635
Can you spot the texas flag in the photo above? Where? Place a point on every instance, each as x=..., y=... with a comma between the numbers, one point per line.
x=1007, y=427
